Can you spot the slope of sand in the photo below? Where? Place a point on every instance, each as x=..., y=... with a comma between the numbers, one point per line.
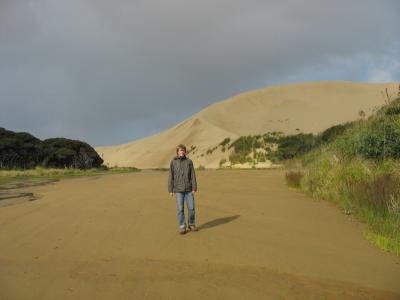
x=116, y=237
x=306, y=107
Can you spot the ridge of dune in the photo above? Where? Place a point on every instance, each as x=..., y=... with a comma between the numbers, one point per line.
x=156, y=151
x=306, y=107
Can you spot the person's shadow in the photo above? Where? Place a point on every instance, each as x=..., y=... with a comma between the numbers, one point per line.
x=218, y=221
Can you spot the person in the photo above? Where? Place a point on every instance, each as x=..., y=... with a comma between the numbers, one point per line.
x=182, y=183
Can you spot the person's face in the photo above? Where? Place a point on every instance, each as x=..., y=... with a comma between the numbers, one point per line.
x=181, y=152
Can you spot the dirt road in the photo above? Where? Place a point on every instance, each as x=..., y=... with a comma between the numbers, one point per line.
x=116, y=237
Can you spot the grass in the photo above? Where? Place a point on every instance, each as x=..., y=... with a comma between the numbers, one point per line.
x=294, y=178
x=383, y=242
x=359, y=170
x=51, y=173
x=367, y=189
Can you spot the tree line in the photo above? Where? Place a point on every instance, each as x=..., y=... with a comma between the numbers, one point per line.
x=24, y=151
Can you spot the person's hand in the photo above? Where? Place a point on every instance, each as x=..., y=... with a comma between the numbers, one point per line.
x=171, y=194
x=193, y=192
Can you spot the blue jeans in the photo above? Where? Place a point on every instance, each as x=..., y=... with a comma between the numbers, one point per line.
x=180, y=197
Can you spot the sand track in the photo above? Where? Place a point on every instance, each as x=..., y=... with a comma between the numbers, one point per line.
x=115, y=237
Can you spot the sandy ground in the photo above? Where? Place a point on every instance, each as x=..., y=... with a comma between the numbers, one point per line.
x=116, y=237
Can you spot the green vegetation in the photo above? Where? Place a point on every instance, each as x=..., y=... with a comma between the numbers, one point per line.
x=23, y=156
x=293, y=178
x=24, y=151
x=243, y=147
x=274, y=146
x=292, y=145
x=225, y=142
x=223, y=145
x=368, y=140
x=210, y=151
x=331, y=133
x=357, y=166
x=192, y=150
x=222, y=161
x=272, y=137
x=52, y=173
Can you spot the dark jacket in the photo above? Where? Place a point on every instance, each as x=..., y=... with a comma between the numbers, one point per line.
x=182, y=177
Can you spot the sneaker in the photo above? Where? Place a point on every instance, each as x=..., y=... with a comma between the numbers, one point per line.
x=182, y=230
x=193, y=227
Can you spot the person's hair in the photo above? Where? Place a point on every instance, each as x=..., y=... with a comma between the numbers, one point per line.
x=180, y=146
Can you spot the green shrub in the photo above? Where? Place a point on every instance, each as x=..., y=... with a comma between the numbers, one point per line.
x=225, y=141
x=222, y=161
x=292, y=145
x=272, y=137
x=66, y=153
x=357, y=166
x=24, y=151
x=331, y=133
x=378, y=138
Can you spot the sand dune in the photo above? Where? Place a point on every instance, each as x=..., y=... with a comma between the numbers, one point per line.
x=110, y=238
x=306, y=107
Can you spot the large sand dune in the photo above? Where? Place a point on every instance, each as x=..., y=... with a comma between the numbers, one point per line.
x=306, y=107
x=116, y=237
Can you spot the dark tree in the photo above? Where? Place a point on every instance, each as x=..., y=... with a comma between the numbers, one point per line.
x=23, y=150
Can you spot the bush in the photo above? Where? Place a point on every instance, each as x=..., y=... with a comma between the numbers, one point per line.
x=292, y=145
x=62, y=153
x=19, y=150
x=222, y=161
x=24, y=151
x=243, y=144
x=357, y=166
x=368, y=189
x=331, y=133
x=377, y=194
x=225, y=142
x=293, y=178
x=378, y=138
x=272, y=137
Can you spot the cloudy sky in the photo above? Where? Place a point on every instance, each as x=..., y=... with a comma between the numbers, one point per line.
x=112, y=71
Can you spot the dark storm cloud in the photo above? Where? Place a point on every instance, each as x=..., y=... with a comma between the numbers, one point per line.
x=112, y=71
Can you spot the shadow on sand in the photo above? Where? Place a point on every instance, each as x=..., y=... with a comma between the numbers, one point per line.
x=218, y=221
